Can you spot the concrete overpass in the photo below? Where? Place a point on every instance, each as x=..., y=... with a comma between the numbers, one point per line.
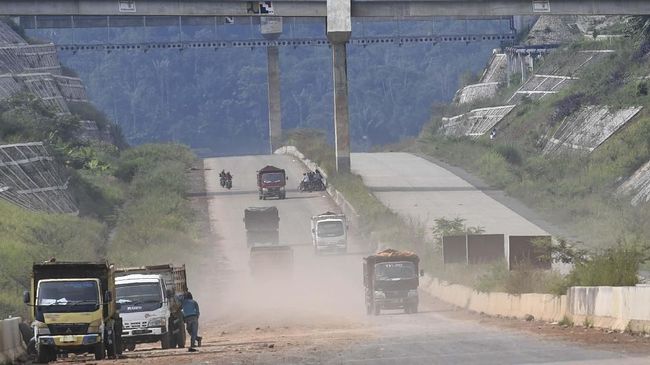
x=338, y=14
x=318, y=8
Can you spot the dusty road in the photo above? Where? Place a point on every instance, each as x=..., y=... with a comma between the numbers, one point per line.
x=318, y=317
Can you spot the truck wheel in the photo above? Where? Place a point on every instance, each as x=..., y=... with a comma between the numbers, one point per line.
x=165, y=341
x=100, y=350
x=407, y=309
x=414, y=308
x=45, y=355
x=130, y=347
x=111, y=345
x=283, y=196
x=377, y=309
x=368, y=309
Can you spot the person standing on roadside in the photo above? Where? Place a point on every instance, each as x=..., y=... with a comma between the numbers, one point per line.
x=191, y=314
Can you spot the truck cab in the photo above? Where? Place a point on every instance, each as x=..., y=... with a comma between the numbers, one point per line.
x=391, y=281
x=74, y=310
x=151, y=306
x=271, y=182
x=329, y=233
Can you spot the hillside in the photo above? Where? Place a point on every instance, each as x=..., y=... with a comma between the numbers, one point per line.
x=70, y=188
x=572, y=129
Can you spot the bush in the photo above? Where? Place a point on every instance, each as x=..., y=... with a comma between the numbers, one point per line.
x=615, y=266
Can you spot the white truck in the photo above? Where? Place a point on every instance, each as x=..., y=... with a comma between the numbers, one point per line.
x=150, y=299
x=329, y=232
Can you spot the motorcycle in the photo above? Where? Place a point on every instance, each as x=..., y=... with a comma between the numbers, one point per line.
x=312, y=185
x=222, y=181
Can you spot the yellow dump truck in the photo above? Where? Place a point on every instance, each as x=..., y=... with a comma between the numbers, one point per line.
x=73, y=309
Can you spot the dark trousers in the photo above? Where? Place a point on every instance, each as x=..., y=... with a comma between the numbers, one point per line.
x=192, y=325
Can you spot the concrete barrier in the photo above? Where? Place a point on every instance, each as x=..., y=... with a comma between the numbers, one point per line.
x=12, y=346
x=619, y=308
x=546, y=307
x=336, y=195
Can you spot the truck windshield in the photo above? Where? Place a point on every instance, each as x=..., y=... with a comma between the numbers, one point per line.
x=273, y=177
x=394, y=271
x=138, y=297
x=330, y=229
x=67, y=296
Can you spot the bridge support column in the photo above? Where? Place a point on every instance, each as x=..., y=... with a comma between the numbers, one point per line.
x=341, y=111
x=271, y=28
x=275, y=115
x=339, y=29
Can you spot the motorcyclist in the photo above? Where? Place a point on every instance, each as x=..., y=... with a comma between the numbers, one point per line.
x=222, y=178
x=228, y=176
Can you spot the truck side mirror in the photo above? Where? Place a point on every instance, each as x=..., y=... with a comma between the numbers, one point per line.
x=169, y=293
x=118, y=306
x=26, y=297
x=421, y=272
x=108, y=297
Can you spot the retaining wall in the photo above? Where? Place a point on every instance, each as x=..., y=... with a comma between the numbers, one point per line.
x=546, y=307
x=618, y=308
x=12, y=346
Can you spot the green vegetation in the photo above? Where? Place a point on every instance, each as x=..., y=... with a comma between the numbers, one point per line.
x=132, y=205
x=26, y=237
x=574, y=191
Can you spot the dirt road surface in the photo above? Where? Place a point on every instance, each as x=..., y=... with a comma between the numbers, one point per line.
x=318, y=316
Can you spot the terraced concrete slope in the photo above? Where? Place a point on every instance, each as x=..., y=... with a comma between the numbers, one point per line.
x=422, y=190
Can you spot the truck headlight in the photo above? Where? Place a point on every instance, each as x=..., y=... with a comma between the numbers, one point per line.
x=265, y=189
x=47, y=341
x=380, y=294
x=341, y=243
x=412, y=293
x=157, y=322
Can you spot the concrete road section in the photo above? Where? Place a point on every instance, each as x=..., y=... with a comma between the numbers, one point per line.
x=317, y=316
x=419, y=189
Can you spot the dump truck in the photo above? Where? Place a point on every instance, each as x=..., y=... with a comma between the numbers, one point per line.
x=271, y=182
x=271, y=261
x=73, y=308
x=151, y=301
x=390, y=278
x=262, y=225
x=329, y=233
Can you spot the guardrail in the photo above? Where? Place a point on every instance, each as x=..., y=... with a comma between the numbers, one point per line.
x=12, y=346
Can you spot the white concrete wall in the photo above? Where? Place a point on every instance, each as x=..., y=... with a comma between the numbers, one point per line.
x=546, y=307
x=618, y=308
x=11, y=344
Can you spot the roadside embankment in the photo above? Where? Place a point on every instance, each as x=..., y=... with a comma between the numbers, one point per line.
x=11, y=344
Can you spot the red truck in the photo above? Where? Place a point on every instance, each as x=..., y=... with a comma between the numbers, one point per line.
x=271, y=182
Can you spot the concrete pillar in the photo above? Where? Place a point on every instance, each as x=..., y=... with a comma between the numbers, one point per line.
x=339, y=29
x=271, y=28
x=275, y=115
x=341, y=112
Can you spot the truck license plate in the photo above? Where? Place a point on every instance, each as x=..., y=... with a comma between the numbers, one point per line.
x=67, y=339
